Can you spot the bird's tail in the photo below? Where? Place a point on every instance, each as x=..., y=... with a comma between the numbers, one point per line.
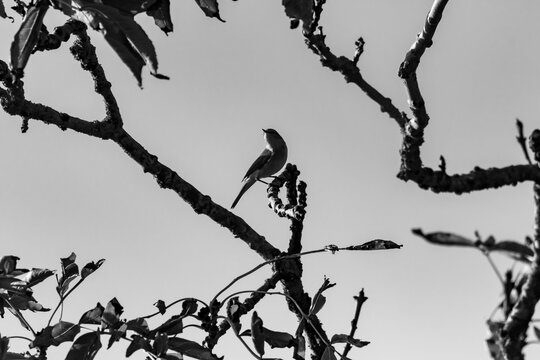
x=247, y=184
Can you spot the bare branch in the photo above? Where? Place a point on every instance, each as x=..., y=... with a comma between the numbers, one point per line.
x=85, y=53
x=360, y=300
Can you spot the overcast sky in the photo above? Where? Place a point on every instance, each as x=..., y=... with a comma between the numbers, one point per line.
x=63, y=191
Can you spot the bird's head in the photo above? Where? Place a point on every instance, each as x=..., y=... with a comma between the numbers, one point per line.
x=273, y=138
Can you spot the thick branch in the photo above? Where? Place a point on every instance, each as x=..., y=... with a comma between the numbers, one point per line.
x=85, y=53
x=515, y=329
x=245, y=307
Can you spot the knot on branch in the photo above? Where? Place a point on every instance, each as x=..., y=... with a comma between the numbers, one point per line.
x=296, y=194
x=47, y=41
x=534, y=144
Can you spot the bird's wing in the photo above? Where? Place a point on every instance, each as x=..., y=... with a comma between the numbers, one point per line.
x=259, y=163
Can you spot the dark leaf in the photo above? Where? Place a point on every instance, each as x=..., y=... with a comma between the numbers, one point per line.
x=56, y=334
x=160, y=345
x=233, y=307
x=137, y=343
x=92, y=316
x=300, y=10
x=319, y=300
x=111, y=315
x=26, y=302
x=444, y=238
x=3, y=15
x=35, y=276
x=91, y=267
x=172, y=326
x=516, y=250
x=85, y=347
x=190, y=348
x=377, y=244
x=27, y=35
x=12, y=284
x=64, y=331
x=130, y=6
x=172, y=356
x=8, y=264
x=117, y=334
x=160, y=11
x=124, y=35
x=277, y=339
x=17, y=356
x=328, y=354
x=70, y=271
x=160, y=304
x=536, y=332
x=210, y=8
x=139, y=325
x=300, y=347
x=257, y=333
x=342, y=338
x=4, y=346
x=189, y=307
x=339, y=338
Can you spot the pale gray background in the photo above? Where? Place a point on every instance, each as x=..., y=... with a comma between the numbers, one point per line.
x=63, y=192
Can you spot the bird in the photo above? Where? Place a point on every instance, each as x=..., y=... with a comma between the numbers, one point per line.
x=271, y=160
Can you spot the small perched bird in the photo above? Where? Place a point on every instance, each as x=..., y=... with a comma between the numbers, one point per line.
x=267, y=164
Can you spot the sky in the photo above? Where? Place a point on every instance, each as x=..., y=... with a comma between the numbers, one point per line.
x=63, y=192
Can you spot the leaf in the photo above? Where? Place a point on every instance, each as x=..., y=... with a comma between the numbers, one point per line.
x=85, y=347
x=342, y=338
x=172, y=326
x=3, y=15
x=210, y=8
x=8, y=264
x=319, y=300
x=4, y=346
x=339, y=339
x=35, y=276
x=130, y=6
x=190, y=348
x=92, y=316
x=536, y=332
x=300, y=10
x=137, y=343
x=189, y=307
x=160, y=11
x=12, y=284
x=116, y=335
x=514, y=249
x=91, y=267
x=70, y=271
x=160, y=304
x=277, y=339
x=110, y=319
x=328, y=354
x=256, y=333
x=300, y=348
x=56, y=334
x=377, y=244
x=139, y=325
x=160, y=345
x=26, y=302
x=444, y=238
x=27, y=35
x=123, y=34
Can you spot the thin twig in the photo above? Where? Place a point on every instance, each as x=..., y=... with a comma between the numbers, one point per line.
x=360, y=300
x=522, y=140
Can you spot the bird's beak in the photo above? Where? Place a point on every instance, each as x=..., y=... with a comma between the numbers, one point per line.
x=264, y=130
